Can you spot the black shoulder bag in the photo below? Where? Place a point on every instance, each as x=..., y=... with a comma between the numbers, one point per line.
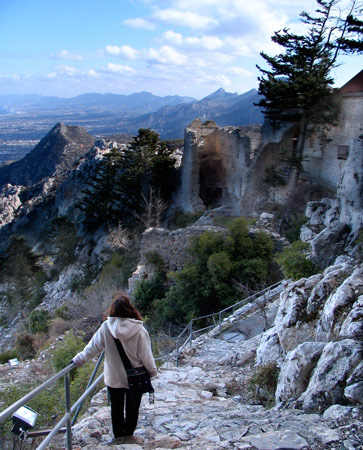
x=138, y=378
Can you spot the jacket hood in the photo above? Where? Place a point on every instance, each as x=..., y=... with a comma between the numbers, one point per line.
x=124, y=328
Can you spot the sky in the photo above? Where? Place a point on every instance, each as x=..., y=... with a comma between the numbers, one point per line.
x=191, y=48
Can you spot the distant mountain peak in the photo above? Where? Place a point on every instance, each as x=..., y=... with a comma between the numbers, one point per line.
x=55, y=153
x=220, y=93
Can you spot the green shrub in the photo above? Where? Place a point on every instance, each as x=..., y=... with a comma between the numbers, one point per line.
x=50, y=403
x=5, y=356
x=206, y=283
x=118, y=270
x=263, y=383
x=38, y=321
x=148, y=292
x=62, y=312
x=294, y=263
x=181, y=219
x=295, y=222
x=66, y=349
x=25, y=346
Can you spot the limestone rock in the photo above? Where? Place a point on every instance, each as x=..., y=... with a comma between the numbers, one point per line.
x=296, y=370
x=277, y=441
x=354, y=393
x=338, y=317
x=335, y=412
x=269, y=349
x=9, y=203
x=335, y=365
x=292, y=324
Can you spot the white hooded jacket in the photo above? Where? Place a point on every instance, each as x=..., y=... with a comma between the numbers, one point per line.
x=135, y=341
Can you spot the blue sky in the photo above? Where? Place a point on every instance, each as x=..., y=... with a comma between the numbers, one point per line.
x=185, y=47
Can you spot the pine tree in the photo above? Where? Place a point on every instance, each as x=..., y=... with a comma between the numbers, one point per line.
x=99, y=200
x=352, y=42
x=124, y=178
x=298, y=86
x=22, y=274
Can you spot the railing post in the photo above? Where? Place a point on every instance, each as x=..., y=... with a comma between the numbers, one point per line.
x=89, y=384
x=191, y=331
x=220, y=321
x=67, y=385
x=177, y=352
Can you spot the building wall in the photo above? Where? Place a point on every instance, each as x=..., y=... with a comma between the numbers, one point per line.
x=323, y=163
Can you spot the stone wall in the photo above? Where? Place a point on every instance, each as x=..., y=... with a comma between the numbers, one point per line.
x=171, y=246
x=327, y=153
x=217, y=165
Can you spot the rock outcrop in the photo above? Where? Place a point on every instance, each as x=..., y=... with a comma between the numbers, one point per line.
x=53, y=155
x=217, y=165
x=317, y=339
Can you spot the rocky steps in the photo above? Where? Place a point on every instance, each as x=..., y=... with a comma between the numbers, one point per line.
x=195, y=409
x=205, y=403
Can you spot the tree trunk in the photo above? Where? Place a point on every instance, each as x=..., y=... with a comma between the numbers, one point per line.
x=298, y=151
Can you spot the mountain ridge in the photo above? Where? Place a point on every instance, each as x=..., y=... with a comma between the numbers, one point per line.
x=55, y=153
x=28, y=120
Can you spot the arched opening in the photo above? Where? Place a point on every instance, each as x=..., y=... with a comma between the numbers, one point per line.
x=212, y=180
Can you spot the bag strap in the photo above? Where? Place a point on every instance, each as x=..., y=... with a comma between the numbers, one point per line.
x=123, y=355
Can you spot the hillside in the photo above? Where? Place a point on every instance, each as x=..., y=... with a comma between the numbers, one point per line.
x=25, y=119
x=55, y=154
x=60, y=271
x=222, y=107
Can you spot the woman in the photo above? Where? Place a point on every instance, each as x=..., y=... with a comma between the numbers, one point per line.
x=124, y=323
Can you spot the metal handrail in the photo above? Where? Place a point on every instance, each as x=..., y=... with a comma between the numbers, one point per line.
x=189, y=328
x=70, y=410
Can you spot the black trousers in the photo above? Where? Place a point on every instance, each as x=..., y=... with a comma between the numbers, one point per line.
x=124, y=411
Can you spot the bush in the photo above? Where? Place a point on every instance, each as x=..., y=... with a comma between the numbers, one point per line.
x=206, y=283
x=25, y=346
x=62, y=313
x=50, y=403
x=148, y=292
x=294, y=263
x=292, y=231
x=118, y=270
x=66, y=349
x=263, y=383
x=38, y=321
x=181, y=219
x=5, y=356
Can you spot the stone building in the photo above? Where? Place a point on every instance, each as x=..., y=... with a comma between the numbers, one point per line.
x=225, y=167
x=328, y=151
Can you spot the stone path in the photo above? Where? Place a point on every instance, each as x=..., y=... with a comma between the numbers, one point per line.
x=203, y=404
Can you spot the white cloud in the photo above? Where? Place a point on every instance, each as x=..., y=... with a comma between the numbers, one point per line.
x=166, y=55
x=67, y=55
x=113, y=50
x=119, y=68
x=204, y=42
x=240, y=72
x=185, y=18
x=91, y=73
x=139, y=23
x=66, y=70
x=125, y=51
x=171, y=36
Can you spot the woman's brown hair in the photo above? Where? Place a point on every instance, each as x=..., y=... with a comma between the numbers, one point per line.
x=121, y=306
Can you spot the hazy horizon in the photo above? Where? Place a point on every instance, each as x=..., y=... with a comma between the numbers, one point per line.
x=175, y=47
